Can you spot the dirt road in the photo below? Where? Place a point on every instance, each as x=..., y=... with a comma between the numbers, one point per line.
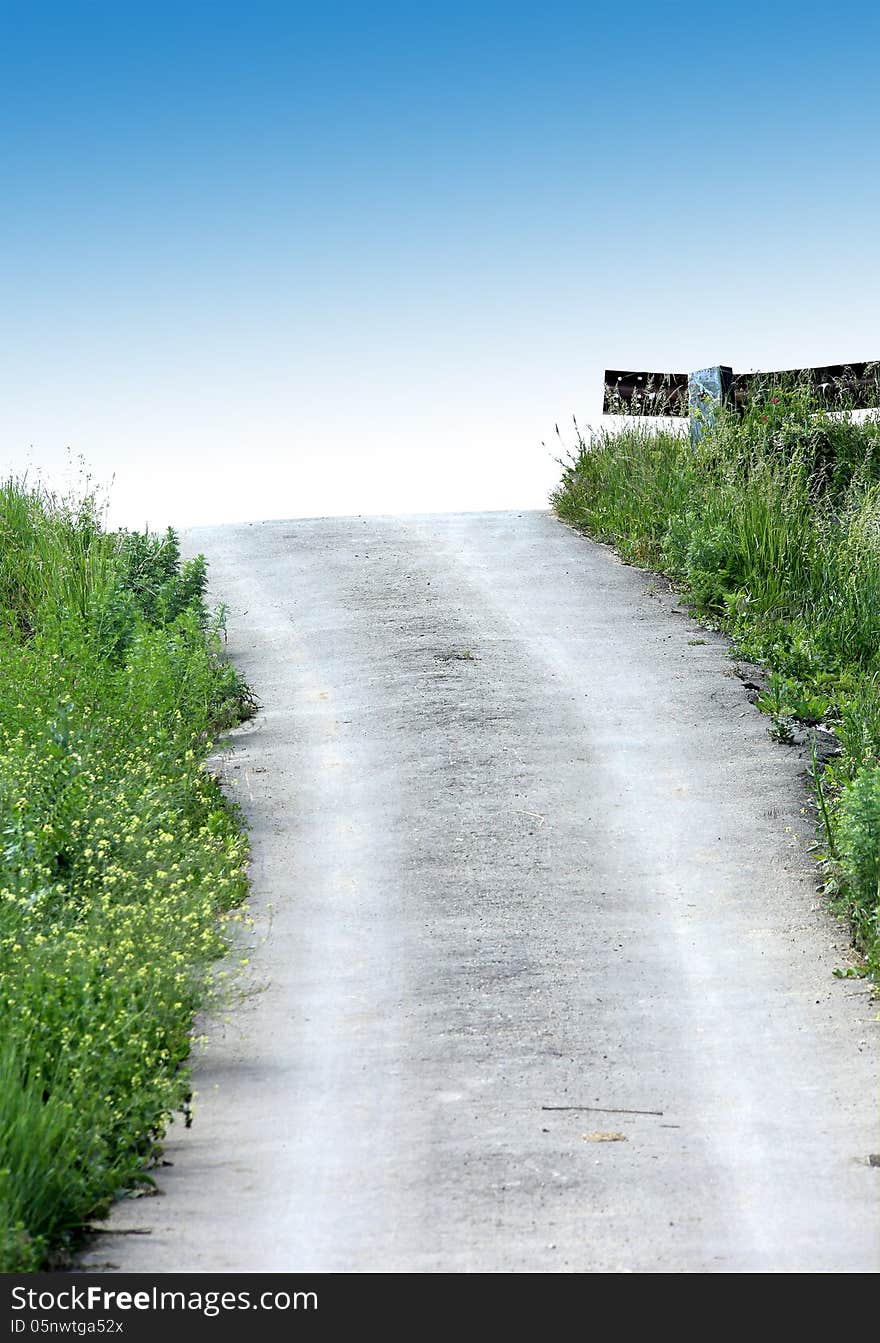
x=546, y=983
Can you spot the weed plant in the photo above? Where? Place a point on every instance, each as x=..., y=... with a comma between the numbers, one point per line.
x=771, y=527
x=121, y=862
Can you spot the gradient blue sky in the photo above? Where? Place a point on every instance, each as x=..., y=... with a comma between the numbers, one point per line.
x=269, y=260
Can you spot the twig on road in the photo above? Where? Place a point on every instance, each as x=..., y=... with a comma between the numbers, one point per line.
x=602, y=1109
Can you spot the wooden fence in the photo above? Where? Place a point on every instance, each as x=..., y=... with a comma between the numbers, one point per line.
x=839, y=386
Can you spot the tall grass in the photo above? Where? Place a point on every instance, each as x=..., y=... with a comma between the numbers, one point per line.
x=771, y=526
x=120, y=860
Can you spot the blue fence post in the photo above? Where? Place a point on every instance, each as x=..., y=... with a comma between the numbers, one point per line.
x=708, y=389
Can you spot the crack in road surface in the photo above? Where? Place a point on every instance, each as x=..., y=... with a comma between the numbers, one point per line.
x=526, y=859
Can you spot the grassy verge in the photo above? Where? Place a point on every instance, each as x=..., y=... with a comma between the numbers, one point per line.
x=771, y=527
x=120, y=860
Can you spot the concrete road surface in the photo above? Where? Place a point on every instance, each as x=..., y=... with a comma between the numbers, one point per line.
x=543, y=979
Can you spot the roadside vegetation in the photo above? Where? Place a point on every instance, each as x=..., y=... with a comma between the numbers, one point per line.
x=121, y=862
x=770, y=526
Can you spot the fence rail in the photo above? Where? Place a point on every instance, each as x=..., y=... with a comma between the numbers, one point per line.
x=850, y=386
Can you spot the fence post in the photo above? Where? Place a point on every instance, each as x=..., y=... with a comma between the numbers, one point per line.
x=708, y=388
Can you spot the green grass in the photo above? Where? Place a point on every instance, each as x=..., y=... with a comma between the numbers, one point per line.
x=771, y=527
x=121, y=863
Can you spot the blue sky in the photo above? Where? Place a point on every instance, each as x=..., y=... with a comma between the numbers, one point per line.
x=275, y=259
